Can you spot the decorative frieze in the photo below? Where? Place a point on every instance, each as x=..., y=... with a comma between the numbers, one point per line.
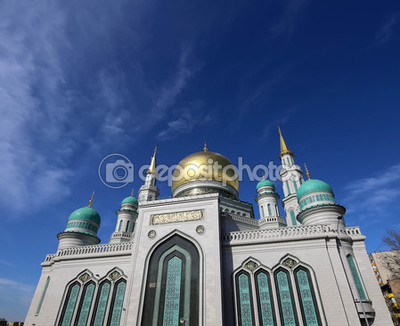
x=176, y=217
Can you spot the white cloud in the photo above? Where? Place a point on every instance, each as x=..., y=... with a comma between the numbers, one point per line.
x=371, y=195
x=387, y=29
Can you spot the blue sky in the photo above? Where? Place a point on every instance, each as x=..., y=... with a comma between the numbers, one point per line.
x=80, y=80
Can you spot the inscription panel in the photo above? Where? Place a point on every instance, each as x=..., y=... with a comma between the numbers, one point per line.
x=175, y=217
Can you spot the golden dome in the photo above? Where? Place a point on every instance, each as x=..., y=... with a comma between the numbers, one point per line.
x=207, y=166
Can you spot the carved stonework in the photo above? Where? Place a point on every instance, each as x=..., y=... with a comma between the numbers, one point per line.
x=152, y=234
x=84, y=277
x=200, y=229
x=289, y=262
x=177, y=217
x=251, y=265
x=114, y=275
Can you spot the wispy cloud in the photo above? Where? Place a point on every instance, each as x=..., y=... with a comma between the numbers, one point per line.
x=386, y=31
x=371, y=195
x=273, y=125
x=287, y=22
x=186, y=119
x=16, y=285
x=63, y=93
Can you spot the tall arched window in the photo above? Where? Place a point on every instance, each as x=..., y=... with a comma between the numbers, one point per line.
x=285, y=298
x=276, y=210
x=287, y=187
x=117, y=303
x=305, y=291
x=244, y=298
x=127, y=226
x=269, y=210
x=101, y=304
x=172, y=287
x=293, y=218
x=85, y=304
x=356, y=277
x=70, y=304
x=262, y=211
x=43, y=294
x=120, y=226
x=265, y=304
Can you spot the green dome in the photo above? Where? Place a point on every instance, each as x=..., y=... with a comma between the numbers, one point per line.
x=313, y=185
x=130, y=200
x=265, y=183
x=85, y=213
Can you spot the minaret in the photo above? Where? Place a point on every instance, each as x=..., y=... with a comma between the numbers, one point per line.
x=292, y=178
x=126, y=220
x=267, y=200
x=149, y=190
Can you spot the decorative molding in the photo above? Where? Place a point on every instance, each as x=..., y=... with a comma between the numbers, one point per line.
x=152, y=234
x=176, y=217
x=200, y=229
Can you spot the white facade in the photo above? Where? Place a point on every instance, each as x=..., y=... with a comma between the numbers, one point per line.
x=205, y=260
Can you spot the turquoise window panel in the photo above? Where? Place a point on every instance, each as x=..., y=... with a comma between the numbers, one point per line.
x=265, y=300
x=287, y=187
x=295, y=185
x=285, y=299
x=101, y=307
x=293, y=218
x=43, y=294
x=308, y=306
x=86, y=305
x=356, y=277
x=70, y=305
x=118, y=303
x=172, y=292
x=262, y=210
x=269, y=210
x=245, y=304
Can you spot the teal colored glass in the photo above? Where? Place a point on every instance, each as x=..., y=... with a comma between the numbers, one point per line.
x=83, y=314
x=285, y=299
x=246, y=315
x=265, y=301
x=172, y=292
x=101, y=307
x=293, y=218
x=42, y=297
x=118, y=304
x=356, y=277
x=306, y=296
x=70, y=305
x=269, y=210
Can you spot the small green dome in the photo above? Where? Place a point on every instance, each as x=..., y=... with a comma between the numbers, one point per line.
x=85, y=213
x=130, y=200
x=313, y=185
x=265, y=183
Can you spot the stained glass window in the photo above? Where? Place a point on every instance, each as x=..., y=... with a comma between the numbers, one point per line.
x=305, y=291
x=101, y=305
x=264, y=299
x=244, y=300
x=285, y=299
x=70, y=303
x=42, y=297
x=86, y=303
x=119, y=294
x=172, y=292
x=356, y=277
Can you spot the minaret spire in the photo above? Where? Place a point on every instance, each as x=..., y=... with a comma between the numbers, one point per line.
x=205, y=149
x=284, y=147
x=149, y=190
x=153, y=165
x=307, y=172
x=91, y=200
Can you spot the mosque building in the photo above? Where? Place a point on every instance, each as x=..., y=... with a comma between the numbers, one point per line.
x=203, y=257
